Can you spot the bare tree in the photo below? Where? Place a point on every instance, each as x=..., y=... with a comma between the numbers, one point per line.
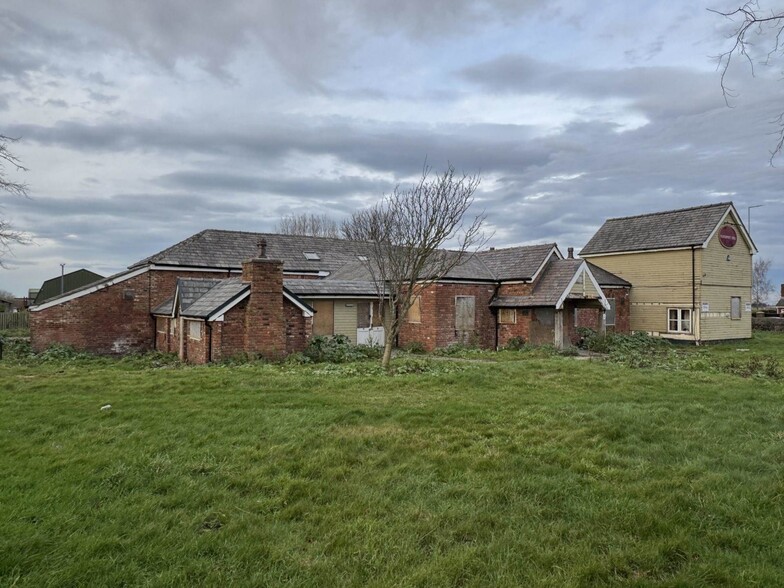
x=312, y=225
x=753, y=22
x=407, y=231
x=760, y=281
x=8, y=235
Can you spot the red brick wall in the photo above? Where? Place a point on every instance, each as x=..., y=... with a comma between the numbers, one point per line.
x=298, y=328
x=105, y=322
x=196, y=350
x=519, y=329
x=590, y=317
x=229, y=336
x=437, y=328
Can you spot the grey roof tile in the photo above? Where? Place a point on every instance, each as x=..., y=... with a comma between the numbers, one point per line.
x=660, y=230
x=331, y=287
x=515, y=263
x=780, y=302
x=228, y=249
x=216, y=297
x=189, y=290
x=605, y=278
x=164, y=308
x=548, y=289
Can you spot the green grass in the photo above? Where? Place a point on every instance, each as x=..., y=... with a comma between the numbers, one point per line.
x=761, y=343
x=545, y=471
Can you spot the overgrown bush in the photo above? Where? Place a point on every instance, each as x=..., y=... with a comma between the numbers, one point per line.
x=416, y=347
x=338, y=349
x=515, y=344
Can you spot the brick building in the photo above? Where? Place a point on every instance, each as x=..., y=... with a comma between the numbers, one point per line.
x=223, y=293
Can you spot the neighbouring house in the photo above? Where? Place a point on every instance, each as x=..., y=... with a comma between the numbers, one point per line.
x=780, y=303
x=64, y=284
x=6, y=305
x=690, y=270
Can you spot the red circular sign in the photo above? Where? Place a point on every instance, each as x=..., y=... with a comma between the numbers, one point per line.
x=728, y=237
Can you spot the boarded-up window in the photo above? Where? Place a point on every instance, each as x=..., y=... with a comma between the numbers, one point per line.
x=194, y=330
x=160, y=323
x=464, y=313
x=378, y=314
x=609, y=316
x=735, y=308
x=324, y=319
x=415, y=312
x=507, y=316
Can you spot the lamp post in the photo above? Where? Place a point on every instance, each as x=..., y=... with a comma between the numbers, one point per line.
x=748, y=215
x=62, y=278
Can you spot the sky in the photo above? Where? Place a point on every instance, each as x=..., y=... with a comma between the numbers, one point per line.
x=142, y=123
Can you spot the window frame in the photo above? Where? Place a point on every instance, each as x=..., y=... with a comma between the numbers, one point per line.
x=680, y=320
x=501, y=321
x=416, y=302
x=190, y=330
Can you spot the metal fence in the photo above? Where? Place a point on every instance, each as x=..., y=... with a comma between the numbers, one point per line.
x=14, y=320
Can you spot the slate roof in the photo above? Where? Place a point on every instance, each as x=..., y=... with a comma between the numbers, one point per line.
x=551, y=285
x=660, y=230
x=330, y=287
x=780, y=302
x=228, y=249
x=515, y=263
x=605, y=278
x=164, y=308
x=191, y=289
x=71, y=281
x=216, y=297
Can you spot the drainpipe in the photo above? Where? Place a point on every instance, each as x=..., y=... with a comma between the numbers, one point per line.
x=495, y=314
x=209, y=340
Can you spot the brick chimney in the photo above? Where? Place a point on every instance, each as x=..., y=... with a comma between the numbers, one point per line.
x=570, y=253
x=265, y=322
x=782, y=290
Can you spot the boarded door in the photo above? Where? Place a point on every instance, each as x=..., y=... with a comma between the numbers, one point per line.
x=465, y=315
x=324, y=320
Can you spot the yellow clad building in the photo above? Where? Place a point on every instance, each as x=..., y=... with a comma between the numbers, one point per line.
x=690, y=270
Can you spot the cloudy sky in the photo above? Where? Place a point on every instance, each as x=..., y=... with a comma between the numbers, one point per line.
x=144, y=122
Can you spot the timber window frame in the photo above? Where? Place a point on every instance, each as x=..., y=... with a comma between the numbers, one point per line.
x=507, y=316
x=414, y=314
x=194, y=330
x=679, y=320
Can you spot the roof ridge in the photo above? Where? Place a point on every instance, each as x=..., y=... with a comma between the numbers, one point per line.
x=268, y=234
x=497, y=249
x=717, y=204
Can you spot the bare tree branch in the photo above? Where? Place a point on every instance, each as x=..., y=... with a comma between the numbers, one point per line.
x=761, y=285
x=407, y=231
x=8, y=236
x=312, y=225
x=752, y=20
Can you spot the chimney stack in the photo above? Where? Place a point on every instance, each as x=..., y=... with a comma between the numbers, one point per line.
x=782, y=290
x=570, y=253
x=265, y=323
x=493, y=249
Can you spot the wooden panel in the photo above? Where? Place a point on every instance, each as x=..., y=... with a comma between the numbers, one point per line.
x=346, y=319
x=323, y=321
x=465, y=313
x=415, y=312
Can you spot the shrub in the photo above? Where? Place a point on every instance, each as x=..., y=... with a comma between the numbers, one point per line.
x=515, y=344
x=764, y=366
x=338, y=349
x=416, y=347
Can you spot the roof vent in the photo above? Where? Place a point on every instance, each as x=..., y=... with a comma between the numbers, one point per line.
x=311, y=256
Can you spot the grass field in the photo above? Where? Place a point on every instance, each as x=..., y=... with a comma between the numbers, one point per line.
x=542, y=471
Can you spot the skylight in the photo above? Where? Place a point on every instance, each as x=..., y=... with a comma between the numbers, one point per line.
x=311, y=256
x=362, y=257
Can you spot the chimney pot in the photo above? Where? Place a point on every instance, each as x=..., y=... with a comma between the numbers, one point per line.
x=570, y=253
x=493, y=249
x=262, y=245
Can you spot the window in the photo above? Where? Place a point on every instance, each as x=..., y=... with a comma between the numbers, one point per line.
x=415, y=312
x=507, y=316
x=311, y=256
x=679, y=320
x=735, y=308
x=362, y=257
x=609, y=315
x=194, y=330
x=160, y=323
